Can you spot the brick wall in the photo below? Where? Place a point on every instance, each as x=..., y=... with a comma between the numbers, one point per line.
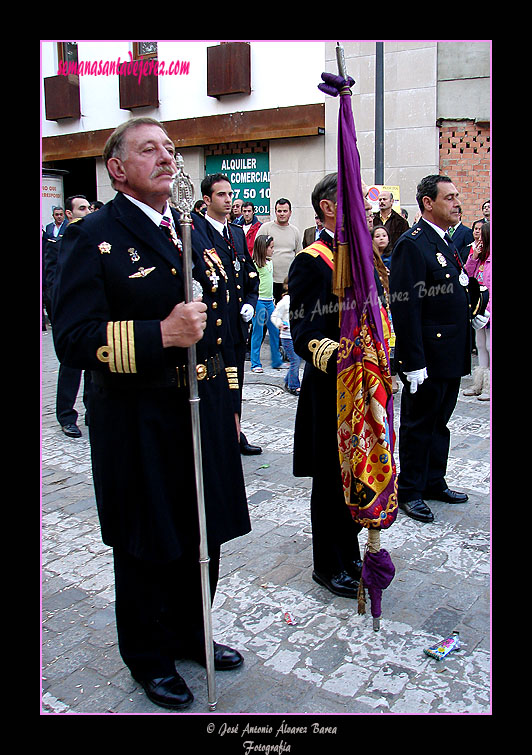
x=465, y=158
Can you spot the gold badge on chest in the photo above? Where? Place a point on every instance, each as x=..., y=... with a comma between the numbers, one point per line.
x=142, y=272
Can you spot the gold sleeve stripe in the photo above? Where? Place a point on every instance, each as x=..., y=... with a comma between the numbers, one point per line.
x=131, y=346
x=110, y=345
x=232, y=377
x=119, y=351
x=321, y=352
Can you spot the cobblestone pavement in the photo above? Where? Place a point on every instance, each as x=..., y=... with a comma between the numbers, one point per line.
x=330, y=661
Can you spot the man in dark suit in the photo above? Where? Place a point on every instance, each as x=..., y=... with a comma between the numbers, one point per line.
x=119, y=311
x=57, y=228
x=68, y=378
x=462, y=238
x=315, y=329
x=432, y=316
x=229, y=241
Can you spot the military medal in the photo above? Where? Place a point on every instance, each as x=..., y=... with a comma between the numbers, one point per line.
x=214, y=278
x=211, y=260
x=463, y=278
x=210, y=256
x=236, y=264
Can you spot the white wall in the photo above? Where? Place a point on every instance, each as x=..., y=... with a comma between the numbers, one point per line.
x=282, y=74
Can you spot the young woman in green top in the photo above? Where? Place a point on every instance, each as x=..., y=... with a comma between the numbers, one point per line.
x=262, y=257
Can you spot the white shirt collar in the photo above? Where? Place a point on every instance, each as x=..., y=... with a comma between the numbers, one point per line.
x=216, y=224
x=438, y=230
x=153, y=215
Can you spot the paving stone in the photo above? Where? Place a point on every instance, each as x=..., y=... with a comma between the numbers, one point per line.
x=330, y=662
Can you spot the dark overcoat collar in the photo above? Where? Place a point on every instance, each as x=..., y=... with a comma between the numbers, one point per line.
x=140, y=225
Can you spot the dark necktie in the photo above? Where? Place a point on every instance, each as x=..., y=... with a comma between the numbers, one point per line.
x=226, y=234
x=449, y=241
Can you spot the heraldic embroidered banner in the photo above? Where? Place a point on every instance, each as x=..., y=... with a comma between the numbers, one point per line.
x=364, y=385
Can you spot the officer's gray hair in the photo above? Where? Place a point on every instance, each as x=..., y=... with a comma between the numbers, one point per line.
x=327, y=188
x=115, y=145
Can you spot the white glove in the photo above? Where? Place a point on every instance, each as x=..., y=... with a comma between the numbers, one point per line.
x=415, y=378
x=480, y=321
x=247, y=312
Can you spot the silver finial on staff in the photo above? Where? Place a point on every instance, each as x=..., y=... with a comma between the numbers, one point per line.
x=183, y=199
x=340, y=60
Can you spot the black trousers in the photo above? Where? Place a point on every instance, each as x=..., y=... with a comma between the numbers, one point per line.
x=68, y=382
x=424, y=437
x=159, y=610
x=334, y=532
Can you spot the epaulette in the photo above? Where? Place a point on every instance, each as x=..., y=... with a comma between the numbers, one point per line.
x=414, y=232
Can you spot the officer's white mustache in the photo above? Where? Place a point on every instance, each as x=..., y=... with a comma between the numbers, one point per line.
x=162, y=172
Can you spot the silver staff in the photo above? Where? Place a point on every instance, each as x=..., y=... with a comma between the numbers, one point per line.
x=183, y=198
x=340, y=60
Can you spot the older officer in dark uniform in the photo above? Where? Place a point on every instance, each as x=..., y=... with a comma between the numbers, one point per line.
x=314, y=323
x=432, y=312
x=120, y=312
x=242, y=277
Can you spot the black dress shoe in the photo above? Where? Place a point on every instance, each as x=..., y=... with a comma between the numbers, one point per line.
x=447, y=496
x=225, y=658
x=417, y=510
x=72, y=431
x=248, y=450
x=168, y=691
x=341, y=584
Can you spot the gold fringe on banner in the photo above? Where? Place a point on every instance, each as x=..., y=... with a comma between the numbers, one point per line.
x=342, y=273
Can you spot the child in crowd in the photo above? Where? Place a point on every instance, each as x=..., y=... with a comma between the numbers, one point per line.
x=280, y=318
x=262, y=257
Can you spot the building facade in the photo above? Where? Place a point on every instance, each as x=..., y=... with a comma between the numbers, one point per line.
x=253, y=110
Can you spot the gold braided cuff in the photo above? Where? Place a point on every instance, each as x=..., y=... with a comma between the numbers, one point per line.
x=119, y=352
x=232, y=377
x=321, y=352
